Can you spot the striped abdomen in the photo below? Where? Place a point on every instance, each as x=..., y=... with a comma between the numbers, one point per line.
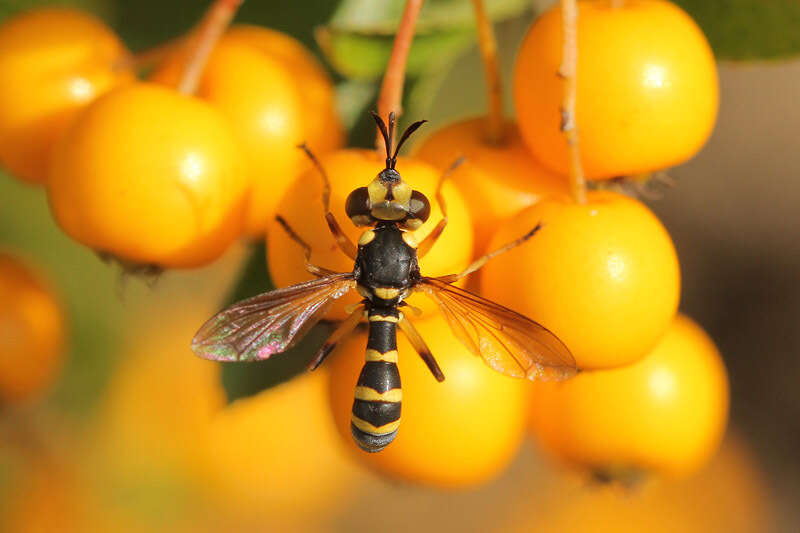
x=376, y=409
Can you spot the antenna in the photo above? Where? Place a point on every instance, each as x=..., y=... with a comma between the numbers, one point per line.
x=388, y=135
x=387, y=139
x=406, y=134
x=392, y=123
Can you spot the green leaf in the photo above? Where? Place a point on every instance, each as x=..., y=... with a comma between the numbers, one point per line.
x=748, y=29
x=370, y=17
x=359, y=37
x=352, y=99
x=363, y=56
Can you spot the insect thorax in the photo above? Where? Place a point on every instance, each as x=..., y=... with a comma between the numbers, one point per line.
x=386, y=266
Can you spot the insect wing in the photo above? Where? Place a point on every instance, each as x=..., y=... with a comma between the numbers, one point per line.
x=507, y=341
x=269, y=323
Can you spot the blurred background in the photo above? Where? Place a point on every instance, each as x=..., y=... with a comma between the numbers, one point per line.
x=113, y=446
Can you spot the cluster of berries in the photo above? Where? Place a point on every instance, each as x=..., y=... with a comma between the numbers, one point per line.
x=145, y=168
x=151, y=173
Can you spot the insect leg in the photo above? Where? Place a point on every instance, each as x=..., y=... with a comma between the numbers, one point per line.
x=428, y=242
x=478, y=263
x=420, y=347
x=344, y=243
x=314, y=269
x=345, y=328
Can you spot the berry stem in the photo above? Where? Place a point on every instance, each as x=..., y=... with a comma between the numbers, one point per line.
x=201, y=44
x=391, y=95
x=569, y=73
x=495, y=121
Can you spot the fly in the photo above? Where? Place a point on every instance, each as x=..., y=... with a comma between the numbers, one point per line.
x=386, y=271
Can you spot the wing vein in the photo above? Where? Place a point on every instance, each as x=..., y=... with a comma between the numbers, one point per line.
x=269, y=323
x=506, y=340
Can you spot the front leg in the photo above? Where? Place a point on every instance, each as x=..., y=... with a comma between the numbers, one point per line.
x=344, y=243
x=318, y=271
x=428, y=242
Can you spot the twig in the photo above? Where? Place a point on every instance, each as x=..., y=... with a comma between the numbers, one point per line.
x=391, y=95
x=569, y=72
x=210, y=29
x=487, y=43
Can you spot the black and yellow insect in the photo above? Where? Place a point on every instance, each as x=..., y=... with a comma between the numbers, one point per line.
x=386, y=271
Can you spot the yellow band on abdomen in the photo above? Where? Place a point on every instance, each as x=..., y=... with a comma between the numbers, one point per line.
x=369, y=394
x=375, y=355
x=366, y=427
x=383, y=318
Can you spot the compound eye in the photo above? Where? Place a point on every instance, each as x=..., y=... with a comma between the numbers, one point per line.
x=357, y=207
x=419, y=209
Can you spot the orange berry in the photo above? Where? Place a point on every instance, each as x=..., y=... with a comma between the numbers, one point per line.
x=53, y=62
x=159, y=400
x=498, y=180
x=700, y=503
x=276, y=455
x=665, y=413
x=603, y=276
x=302, y=208
x=732, y=479
x=150, y=176
x=324, y=130
x=647, y=88
x=31, y=332
x=457, y=433
x=275, y=98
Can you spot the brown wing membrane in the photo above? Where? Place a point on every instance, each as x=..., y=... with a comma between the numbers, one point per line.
x=507, y=341
x=269, y=323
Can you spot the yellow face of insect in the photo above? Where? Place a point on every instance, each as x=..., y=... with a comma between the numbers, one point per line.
x=388, y=198
x=388, y=201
